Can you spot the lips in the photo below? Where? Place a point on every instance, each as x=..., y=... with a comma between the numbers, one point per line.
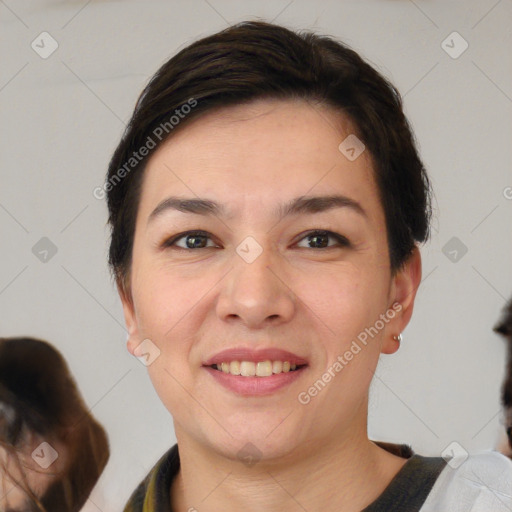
x=254, y=373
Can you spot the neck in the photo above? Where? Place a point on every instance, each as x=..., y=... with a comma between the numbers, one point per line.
x=344, y=473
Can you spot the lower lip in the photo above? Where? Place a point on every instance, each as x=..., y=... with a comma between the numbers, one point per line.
x=255, y=386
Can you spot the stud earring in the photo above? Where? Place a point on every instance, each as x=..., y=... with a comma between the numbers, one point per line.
x=398, y=338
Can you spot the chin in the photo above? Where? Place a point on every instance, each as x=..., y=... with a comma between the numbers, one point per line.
x=250, y=446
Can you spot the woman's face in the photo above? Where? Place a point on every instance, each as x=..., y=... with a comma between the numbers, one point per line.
x=259, y=280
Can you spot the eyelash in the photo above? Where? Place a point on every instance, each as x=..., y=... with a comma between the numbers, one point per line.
x=342, y=241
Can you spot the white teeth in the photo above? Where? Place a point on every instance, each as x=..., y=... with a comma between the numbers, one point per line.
x=260, y=369
x=264, y=369
x=277, y=366
x=247, y=369
x=234, y=367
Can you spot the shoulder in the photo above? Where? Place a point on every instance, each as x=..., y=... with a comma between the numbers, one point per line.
x=479, y=482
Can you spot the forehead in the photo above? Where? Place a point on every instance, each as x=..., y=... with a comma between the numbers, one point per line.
x=261, y=152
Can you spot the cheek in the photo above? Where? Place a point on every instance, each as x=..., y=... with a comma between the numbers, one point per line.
x=164, y=300
x=169, y=313
x=343, y=297
x=345, y=302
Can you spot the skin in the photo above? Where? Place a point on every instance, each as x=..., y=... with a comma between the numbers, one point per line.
x=193, y=303
x=503, y=445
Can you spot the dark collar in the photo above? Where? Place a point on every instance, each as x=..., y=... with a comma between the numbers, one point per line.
x=406, y=492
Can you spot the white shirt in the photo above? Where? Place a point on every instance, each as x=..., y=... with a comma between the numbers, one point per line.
x=481, y=483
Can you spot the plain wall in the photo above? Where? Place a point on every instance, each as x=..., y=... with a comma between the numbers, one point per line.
x=62, y=117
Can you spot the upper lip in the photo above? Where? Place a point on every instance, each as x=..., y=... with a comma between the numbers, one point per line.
x=255, y=355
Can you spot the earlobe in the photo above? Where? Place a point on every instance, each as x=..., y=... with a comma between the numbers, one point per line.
x=391, y=344
x=131, y=343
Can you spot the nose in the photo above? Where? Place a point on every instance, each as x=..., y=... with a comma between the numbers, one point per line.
x=257, y=294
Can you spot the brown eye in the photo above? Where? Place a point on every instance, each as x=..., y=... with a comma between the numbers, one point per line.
x=319, y=239
x=192, y=240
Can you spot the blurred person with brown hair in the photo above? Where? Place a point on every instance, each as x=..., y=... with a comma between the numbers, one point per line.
x=52, y=450
x=504, y=328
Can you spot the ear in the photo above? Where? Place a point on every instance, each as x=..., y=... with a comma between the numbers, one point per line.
x=130, y=317
x=404, y=285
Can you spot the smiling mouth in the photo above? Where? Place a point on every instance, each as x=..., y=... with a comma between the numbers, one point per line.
x=256, y=369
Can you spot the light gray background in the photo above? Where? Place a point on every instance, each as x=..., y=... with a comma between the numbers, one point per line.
x=62, y=117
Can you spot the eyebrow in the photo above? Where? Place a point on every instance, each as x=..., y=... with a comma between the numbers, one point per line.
x=299, y=205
